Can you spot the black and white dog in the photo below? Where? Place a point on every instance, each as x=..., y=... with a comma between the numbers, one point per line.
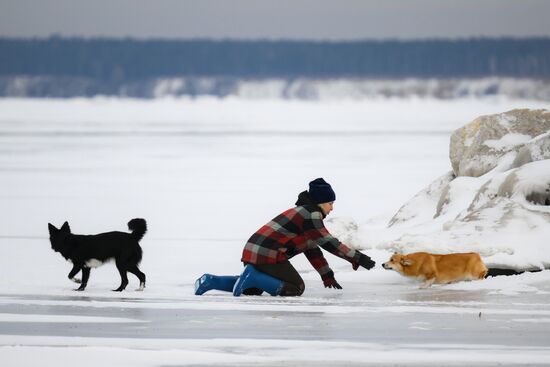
x=90, y=251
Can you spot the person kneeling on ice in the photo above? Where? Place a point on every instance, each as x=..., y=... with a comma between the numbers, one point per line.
x=296, y=230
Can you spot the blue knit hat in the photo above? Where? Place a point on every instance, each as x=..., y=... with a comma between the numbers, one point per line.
x=321, y=191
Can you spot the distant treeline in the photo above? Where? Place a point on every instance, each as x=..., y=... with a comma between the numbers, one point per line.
x=123, y=60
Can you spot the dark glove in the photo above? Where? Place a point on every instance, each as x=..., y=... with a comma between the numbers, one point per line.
x=331, y=283
x=363, y=261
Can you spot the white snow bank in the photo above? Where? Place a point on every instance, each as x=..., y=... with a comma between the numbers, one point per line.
x=529, y=180
x=421, y=207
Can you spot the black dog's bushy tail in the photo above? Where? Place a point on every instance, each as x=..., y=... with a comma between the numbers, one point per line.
x=138, y=226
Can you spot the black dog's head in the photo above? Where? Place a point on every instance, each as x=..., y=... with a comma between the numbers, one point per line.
x=57, y=236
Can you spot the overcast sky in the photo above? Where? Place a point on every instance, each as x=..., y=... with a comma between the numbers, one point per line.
x=276, y=19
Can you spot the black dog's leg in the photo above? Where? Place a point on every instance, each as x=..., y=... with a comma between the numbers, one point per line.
x=123, y=276
x=85, y=277
x=135, y=270
x=76, y=268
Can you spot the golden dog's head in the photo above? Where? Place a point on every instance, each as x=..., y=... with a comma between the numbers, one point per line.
x=397, y=262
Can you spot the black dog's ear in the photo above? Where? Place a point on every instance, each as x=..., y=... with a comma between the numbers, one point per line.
x=51, y=228
x=65, y=227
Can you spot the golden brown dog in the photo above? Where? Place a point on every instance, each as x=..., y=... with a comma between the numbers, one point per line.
x=432, y=268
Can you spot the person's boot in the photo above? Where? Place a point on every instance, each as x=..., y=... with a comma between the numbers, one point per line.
x=218, y=282
x=252, y=278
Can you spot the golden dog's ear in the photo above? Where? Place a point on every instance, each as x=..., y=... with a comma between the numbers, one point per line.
x=406, y=262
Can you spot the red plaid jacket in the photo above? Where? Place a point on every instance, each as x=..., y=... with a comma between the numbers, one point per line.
x=294, y=231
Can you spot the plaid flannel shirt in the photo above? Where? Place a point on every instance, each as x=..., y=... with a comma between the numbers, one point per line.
x=297, y=230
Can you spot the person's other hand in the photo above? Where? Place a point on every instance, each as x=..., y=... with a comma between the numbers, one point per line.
x=364, y=261
x=331, y=283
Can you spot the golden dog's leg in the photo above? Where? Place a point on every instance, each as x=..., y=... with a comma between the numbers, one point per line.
x=483, y=274
x=427, y=283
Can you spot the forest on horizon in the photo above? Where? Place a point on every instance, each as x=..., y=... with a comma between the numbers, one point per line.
x=118, y=60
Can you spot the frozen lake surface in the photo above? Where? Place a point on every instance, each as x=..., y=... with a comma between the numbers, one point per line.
x=205, y=174
x=390, y=322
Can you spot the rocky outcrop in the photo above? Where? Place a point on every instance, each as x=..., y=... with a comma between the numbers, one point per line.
x=483, y=144
x=495, y=202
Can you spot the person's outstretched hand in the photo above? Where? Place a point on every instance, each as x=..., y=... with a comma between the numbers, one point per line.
x=364, y=261
x=331, y=283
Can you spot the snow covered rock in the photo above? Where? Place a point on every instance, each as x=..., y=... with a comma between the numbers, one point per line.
x=497, y=205
x=421, y=207
x=534, y=150
x=479, y=146
x=508, y=234
x=507, y=221
x=529, y=184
